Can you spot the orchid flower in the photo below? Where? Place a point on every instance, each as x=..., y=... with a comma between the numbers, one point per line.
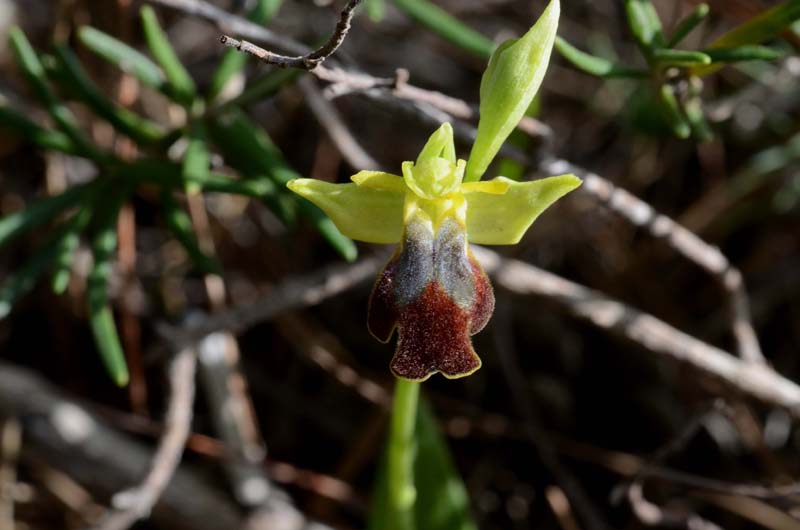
x=433, y=291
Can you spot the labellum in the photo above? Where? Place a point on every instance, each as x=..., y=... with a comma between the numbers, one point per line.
x=435, y=293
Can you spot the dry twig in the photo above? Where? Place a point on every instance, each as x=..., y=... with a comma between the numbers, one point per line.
x=308, y=61
x=650, y=513
x=234, y=24
x=292, y=293
x=137, y=503
x=682, y=240
x=752, y=379
x=653, y=515
x=332, y=122
x=10, y=444
x=231, y=409
x=342, y=81
x=63, y=434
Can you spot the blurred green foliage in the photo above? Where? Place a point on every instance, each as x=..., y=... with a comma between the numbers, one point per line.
x=673, y=76
x=213, y=125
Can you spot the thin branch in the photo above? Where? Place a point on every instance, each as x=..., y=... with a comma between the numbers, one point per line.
x=755, y=491
x=342, y=81
x=756, y=380
x=651, y=514
x=633, y=490
x=324, y=350
x=332, y=122
x=308, y=61
x=60, y=432
x=225, y=390
x=752, y=379
x=10, y=444
x=682, y=240
x=234, y=24
x=293, y=293
x=559, y=504
x=137, y=503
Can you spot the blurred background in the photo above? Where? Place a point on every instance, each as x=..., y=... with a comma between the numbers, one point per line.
x=142, y=195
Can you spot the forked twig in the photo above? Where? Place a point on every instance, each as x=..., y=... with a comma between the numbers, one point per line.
x=308, y=61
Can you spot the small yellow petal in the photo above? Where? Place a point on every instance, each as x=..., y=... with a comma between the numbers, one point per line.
x=379, y=180
x=503, y=219
x=497, y=186
x=440, y=144
x=368, y=214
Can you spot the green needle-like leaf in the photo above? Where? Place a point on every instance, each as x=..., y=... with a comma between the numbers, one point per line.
x=247, y=151
x=233, y=61
x=668, y=57
x=101, y=318
x=594, y=65
x=701, y=130
x=16, y=123
x=376, y=9
x=645, y=25
x=78, y=82
x=751, y=52
x=196, y=160
x=181, y=84
x=673, y=114
x=250, y=150
x=758, y=29
x=22, y=280
x=761, y=27
x=508, y=86
x=180, y=225
x=67, y=245
x=162, y=173
x=441, y=22
x=257, y=189
x=128, y=59
x=686, y=25
x=39, y=212
x=260, y=88
x=35, y=74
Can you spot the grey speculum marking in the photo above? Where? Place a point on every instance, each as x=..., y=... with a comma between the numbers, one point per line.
x=444, y=259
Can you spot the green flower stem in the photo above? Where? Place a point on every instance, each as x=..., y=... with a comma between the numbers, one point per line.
x=402, y=451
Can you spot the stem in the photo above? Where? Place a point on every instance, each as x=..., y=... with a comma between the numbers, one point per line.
x=402, y=449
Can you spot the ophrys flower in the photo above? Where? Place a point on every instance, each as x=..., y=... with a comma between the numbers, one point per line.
x=433, y=291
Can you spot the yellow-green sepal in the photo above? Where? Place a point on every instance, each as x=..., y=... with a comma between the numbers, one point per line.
x=508, y=86
x=502, y=219
x=361, y=212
